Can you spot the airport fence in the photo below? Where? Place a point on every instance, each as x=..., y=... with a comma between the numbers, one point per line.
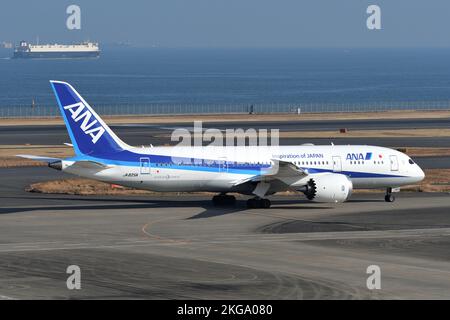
x=44, y=111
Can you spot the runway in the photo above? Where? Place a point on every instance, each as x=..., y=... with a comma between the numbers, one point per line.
x=139, y=134
x=175, y=247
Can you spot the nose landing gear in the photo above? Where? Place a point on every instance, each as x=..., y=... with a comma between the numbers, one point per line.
x=389, y=197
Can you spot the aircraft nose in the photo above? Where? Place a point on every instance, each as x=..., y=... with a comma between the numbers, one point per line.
x=420, y=173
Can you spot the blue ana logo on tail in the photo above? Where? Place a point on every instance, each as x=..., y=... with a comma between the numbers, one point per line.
x=76, y=110
x=90, y=136
x=359, y=156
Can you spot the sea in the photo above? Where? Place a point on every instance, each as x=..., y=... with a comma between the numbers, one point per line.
x=219, y=77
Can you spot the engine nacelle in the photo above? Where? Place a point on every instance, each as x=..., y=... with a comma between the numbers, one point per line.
x=328, y=187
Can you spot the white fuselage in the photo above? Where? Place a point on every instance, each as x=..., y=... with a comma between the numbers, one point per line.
x=220, y=167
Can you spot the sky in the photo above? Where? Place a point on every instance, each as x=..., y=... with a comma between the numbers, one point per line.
x=231, y=23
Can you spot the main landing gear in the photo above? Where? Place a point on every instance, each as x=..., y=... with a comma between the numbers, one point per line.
x=258, y=203
x=227, y=200
x=389, y=197
x=223, y=199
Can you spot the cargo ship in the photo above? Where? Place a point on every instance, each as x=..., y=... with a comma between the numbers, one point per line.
x=56, y=51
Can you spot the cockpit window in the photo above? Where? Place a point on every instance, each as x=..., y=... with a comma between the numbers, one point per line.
x=410, y=161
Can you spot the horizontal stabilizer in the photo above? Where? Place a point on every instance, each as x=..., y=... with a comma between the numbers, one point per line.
x=88, y=164
x=38, y=158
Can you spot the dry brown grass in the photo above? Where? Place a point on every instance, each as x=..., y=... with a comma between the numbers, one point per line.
x=78, y=186
x=436, y=180
x=425, y=152
x=12, y=162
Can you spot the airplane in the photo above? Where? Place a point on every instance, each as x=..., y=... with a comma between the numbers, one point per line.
x=326, y=173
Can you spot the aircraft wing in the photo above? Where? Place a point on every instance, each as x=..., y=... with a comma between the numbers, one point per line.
x=283, y=171
x=287, y=170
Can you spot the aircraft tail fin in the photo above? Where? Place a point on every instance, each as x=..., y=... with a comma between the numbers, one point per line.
x=89, y=134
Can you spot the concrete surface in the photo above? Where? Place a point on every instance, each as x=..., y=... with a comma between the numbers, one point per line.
x=183, y=247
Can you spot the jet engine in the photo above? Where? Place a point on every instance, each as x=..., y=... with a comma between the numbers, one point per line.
x=328, y=187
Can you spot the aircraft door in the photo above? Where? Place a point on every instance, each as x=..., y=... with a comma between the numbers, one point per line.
x=337, y=164
x=394, y=163
x=145, y=166
x=223, y=165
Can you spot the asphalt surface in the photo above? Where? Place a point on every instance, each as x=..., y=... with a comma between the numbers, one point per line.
x=433, y=162
x=182, y=247
x=332, y=125
x=144, y=134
